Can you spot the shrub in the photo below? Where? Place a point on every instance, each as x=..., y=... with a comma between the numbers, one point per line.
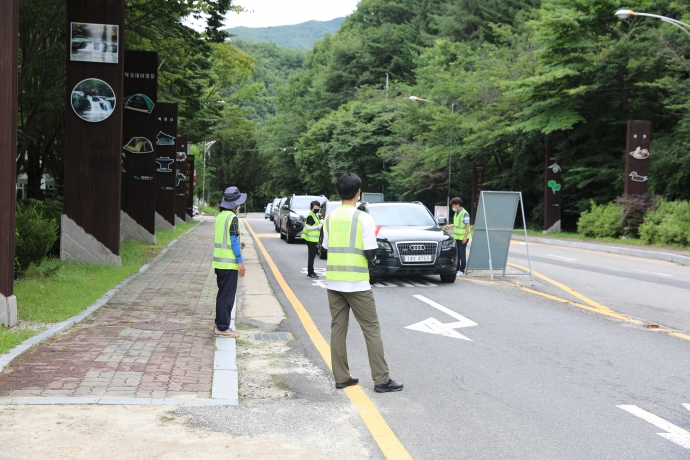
x=669, y=224
x=36, y=234
x=602, y=221
x=635, y=207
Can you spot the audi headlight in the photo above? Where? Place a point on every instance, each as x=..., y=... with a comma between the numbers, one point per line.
x=448, y=244
x=384, y=245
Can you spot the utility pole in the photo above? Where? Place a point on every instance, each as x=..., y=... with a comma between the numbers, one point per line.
x=450, y=161
x=207, y=145
x=386, y=81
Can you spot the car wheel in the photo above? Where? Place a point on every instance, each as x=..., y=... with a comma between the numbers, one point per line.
x=282, y=237
x=275, y=225
x=448, y=278
x=290, y=238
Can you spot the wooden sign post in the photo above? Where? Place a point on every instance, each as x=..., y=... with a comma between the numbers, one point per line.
x=637, y=157
x=9, y=28
x=477, y=184
x=189, y=187
x=181, y=179
x=138, y=219
x=90, y=230
x=552, y=192
x=166, y=152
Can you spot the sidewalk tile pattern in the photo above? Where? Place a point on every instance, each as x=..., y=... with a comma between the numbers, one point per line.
x=104, y=357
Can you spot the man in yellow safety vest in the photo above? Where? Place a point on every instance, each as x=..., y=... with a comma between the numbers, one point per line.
x=227, y=260
x=350, y=238
x=461, y=232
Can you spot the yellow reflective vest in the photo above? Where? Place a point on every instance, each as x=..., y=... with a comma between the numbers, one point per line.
x=346, y=260
x=459, y=225
x=311, y=235
x=223, y=257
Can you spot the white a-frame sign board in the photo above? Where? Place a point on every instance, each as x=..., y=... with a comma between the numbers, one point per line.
x=493, y=227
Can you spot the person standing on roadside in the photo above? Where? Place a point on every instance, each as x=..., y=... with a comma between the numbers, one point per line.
x=461, y=232
x=227, y=259
x=312, y=230
x=350, y=237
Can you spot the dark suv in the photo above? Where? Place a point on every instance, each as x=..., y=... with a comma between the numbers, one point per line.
x=292, y=215
x=410, y=242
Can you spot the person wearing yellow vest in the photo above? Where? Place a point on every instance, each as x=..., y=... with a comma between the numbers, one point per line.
x=350, y=238
x=227, y=260
x=461, y=232
x=310, y=234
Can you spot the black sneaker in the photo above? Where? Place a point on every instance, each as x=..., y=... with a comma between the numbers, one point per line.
x=390, y=385
x=352, y=381
x=313, y=276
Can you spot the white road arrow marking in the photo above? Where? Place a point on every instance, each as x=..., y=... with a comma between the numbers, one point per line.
x=434, y=326
x=673, y=433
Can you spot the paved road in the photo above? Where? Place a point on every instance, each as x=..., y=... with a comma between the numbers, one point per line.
x=535, y=378
x=654, y=291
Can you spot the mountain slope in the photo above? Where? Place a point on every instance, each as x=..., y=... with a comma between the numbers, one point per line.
x=299, y=36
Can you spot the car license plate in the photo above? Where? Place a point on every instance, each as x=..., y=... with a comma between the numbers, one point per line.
x=417, y=258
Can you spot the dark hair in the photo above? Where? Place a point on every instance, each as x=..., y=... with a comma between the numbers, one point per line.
x=456, y=200
x=348, y=185
x=314, y=203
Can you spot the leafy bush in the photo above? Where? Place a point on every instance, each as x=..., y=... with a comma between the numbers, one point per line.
x=602, y=221
x=669, y=224
x=37, y=231
x=635, y=207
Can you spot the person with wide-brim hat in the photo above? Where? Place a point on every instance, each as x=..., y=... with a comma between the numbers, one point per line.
x=227, y=259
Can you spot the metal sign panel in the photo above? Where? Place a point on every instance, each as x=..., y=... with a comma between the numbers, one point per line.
x=181, y=176
x=496, y=212
x=139, y=138
x=552, y=192
x=166, y=154
x=189, y=187
x=637, y=157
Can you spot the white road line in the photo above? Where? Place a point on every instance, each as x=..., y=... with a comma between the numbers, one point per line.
x=653, y=273
x=462, y=321
x=561, y=257
x=673, y=433
x=687, y=406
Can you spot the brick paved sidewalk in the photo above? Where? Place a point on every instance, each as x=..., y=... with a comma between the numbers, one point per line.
x=105, y=356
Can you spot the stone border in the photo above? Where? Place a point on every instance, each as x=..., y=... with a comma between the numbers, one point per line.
x=104, y=400
x=225, y=378
x=667, y=256
x=66, y=324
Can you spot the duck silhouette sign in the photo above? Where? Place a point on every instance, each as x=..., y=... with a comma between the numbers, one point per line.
x=637, y=178
x=640, y=154
x=555, y=186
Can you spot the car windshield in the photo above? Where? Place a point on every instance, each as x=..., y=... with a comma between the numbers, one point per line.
x=387, y=216
x=303, y=202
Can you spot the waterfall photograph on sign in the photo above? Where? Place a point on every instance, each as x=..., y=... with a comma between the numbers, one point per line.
x=94, y=42
x=93, y=100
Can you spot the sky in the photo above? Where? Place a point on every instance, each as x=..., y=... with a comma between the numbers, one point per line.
x=267, y=13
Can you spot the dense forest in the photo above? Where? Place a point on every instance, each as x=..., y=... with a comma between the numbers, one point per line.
x=297, y=36
x=505, y=78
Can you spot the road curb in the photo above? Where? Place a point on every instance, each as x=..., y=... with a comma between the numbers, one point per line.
x=6, y=358
x=667, y=256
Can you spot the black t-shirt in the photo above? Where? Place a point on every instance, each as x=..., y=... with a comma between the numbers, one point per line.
x=310, y=221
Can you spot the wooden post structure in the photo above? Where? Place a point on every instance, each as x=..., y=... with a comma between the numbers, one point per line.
x=477, y=185
x=552, y=192
x=189, y=190
x=637, y=157
x=165, y=173
x=90, y=230
x=9, y=29
x=181, y=178
x=138, y=217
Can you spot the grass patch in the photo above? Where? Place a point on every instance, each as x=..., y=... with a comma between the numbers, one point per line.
x=577, y=236
x=55, y=290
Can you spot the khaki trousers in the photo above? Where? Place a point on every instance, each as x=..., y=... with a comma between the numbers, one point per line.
x=364, y=308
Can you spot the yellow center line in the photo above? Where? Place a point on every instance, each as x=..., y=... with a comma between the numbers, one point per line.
x=388, y=442
x=591, y=304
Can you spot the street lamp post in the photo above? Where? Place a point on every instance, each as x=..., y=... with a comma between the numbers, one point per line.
x=625, y=14
x=450, y=158
x=207, y=145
